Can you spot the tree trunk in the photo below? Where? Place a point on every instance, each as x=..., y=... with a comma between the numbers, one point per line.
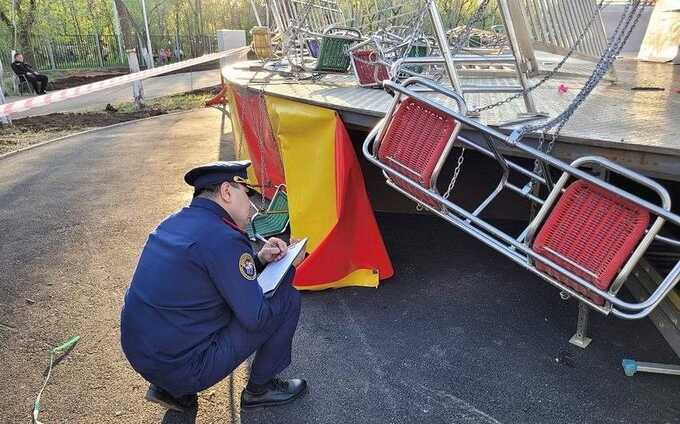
x=25, y=21
x=75, y=21
x=199, y=16
x=5, y=19
x=130, y=40
x=126, y=27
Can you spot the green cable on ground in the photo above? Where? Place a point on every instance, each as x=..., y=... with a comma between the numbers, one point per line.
x=68, y=344
x=64, y=347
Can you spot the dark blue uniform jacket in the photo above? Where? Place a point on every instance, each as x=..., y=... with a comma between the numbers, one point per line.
x=188, y=286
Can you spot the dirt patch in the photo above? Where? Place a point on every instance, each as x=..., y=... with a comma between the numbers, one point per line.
x=81, y=79
x=74, y=79
x=36, y=129
x=70, y=121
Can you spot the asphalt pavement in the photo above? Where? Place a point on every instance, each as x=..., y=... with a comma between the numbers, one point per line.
x=459, y=335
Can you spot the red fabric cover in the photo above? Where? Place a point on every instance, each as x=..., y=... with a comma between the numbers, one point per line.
x=593, y=228
x=355, y=241
x=252, y=113
x=219, y=98
x=414, y=142
x=366, y=69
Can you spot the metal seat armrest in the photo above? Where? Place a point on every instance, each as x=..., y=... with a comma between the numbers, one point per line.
x=363, y=43
x=332, y=29
x=281, y=188
x=251, y=224
x=403, y=88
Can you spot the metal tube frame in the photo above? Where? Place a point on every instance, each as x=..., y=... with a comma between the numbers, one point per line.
x=521, y=251
x=449, y=61
x=297, y=19
x=580, y=338
x=443, y=43
x=378, y=43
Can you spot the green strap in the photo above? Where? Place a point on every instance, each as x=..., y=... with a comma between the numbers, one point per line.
x=64, y=347
x=68, y=344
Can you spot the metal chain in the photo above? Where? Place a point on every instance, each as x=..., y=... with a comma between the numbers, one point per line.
x=625, y=27
x=459, y=165
x=537, y=163
x=265, y=183
x=459, y=44
x=619, y=38
x=475, y=18
x=415, y=34
x=551, y=73
x=241, y=139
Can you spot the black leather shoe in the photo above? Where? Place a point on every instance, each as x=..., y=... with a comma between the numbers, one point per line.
x=180, y=404
x=277, y=392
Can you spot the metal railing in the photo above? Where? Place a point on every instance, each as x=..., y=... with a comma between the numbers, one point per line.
x=556, y=25
x=310, y=15
x=181, y=47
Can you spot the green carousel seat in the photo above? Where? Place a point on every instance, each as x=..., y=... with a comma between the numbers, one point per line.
x=334, y=48
x=272, y=221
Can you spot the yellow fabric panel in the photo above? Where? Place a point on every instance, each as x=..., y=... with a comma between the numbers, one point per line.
x=358, y=278
x=306, y=137
x=240, y=146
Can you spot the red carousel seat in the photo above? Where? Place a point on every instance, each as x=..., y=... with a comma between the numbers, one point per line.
x=413, y=143
x=367, y=69
x=591, y=232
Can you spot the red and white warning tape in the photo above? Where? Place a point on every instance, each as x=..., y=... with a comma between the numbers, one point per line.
x=70, y=93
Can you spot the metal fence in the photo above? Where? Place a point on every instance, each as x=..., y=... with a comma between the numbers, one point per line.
x=556, y=25
x=104, y=51
x=167, y=48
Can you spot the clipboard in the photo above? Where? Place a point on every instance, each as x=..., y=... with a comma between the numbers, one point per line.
x=270, y=278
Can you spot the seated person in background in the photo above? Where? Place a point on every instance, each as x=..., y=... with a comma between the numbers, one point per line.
x=23, y=69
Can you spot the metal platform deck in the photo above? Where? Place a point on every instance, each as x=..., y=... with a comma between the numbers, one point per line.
x=635, y=121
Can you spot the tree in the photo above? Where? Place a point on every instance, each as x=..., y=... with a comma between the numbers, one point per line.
x=25, y=13
x=126, y=24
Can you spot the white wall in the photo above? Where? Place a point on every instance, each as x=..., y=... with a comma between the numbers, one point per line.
x=611, y=15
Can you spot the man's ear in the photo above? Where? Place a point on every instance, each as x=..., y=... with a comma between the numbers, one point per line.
x=225, y=192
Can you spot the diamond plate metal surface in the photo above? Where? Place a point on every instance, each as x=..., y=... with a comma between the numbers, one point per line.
x=638, y=116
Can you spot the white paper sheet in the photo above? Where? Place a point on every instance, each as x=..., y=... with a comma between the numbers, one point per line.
x=272, y=274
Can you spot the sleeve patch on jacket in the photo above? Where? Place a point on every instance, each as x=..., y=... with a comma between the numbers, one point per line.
x=246, y=265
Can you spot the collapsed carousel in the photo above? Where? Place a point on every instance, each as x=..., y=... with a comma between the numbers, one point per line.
x=527, y=121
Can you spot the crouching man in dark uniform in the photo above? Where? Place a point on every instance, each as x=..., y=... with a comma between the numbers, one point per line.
x=194, y=310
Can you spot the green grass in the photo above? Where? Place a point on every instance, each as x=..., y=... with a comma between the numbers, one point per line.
x=177, y=102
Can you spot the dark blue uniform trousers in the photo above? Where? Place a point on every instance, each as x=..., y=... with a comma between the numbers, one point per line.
x=272, y=343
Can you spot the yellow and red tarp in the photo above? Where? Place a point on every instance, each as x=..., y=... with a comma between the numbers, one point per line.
x=308, y=148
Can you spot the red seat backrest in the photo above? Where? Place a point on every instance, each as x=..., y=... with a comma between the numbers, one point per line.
x=595, y=230
x=365, y=65
x=414, y=141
